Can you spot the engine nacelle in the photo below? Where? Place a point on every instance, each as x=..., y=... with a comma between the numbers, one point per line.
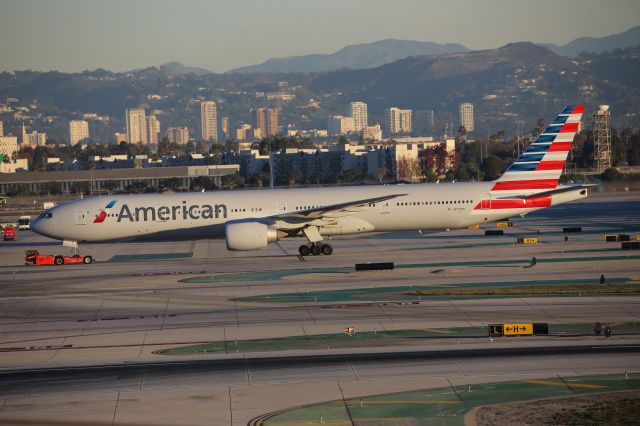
x=249, y=235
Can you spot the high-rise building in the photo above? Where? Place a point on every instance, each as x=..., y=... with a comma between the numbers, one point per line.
x=1, y=129
x=78, y=130
x=179, y=135
x=340, y=125
x=466, y=116
x=397, y=121
x=225, y=127
x=266, y=121
x=136, y=125
x=153, y=129
x=33, y=139
x=358, y=112
x=209, y=120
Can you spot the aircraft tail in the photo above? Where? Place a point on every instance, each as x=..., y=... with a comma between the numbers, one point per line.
x=539, y=167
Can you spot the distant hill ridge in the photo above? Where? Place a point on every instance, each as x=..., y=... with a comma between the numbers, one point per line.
x=629, y=38
x=356, y=56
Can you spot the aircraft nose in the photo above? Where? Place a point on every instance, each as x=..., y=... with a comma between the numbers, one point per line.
x=41, y=226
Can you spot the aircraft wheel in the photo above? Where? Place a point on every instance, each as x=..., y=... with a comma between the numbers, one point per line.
x=87, y=260
x=304, y=250
x=58, y=260
x=327, y=249
x=316, y=249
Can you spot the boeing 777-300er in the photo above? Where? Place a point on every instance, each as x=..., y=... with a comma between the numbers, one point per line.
x=251, y=219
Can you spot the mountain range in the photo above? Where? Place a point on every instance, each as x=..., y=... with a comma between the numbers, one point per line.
x=629, y=38
x=357, y=56
x=377, y=53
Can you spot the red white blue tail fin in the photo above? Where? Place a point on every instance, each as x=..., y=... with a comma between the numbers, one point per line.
x=540, y=166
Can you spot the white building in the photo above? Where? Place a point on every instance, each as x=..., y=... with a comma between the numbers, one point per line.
x=340, y=125
x=209, y=120
x=397, y=121
x=153, y=129
x=466, y=116
x=78, y=130
x=179, y=135
x=8, y=145
x=372, y=133
x=35, y=139
x=358, y=111
x=136, y=125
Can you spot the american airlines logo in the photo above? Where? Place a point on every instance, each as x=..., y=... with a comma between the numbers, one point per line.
x=102, y=214
x=165, y=213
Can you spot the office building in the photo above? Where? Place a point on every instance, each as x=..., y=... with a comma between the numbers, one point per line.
x=209, y=121
x=466, y=116
x=358, y=111
x=153, y=129
x=340, y=125
x=136, y=123
x=78, y=130
x=179, y=135
x=266, y=122
x=397, y=121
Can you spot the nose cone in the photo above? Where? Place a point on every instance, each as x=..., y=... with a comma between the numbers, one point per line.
x=42, y=226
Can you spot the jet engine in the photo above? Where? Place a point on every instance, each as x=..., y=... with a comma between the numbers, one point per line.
x=250, y=235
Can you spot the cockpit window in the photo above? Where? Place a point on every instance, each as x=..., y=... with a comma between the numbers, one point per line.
x=46, y=215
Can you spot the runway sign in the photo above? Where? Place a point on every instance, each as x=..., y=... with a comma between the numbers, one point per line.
x=528, y=240
x=518, y=329
x=504, y=224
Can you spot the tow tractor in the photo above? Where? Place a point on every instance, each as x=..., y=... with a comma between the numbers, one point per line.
x=33, y=257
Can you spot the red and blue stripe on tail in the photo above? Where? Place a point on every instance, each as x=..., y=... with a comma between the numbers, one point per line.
x=539, y=167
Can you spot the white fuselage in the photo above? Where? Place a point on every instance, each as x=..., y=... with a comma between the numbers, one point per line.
x=203, y=215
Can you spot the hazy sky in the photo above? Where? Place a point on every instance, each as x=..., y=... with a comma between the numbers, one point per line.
x=74, y=35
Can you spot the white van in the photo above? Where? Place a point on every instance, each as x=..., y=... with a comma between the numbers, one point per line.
x=23, y=223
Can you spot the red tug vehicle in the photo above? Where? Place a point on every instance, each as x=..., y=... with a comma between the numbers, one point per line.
x=33, y=257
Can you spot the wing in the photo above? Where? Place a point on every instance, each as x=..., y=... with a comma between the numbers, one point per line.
x=325, y=215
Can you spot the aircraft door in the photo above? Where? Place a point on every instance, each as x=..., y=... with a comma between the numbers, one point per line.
x=81, y=217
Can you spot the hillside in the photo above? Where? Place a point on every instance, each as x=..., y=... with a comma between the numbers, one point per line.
x=629, y=38
x=358, y=56
x=443, y=81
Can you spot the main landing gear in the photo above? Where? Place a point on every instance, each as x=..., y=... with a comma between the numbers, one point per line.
x=315, y=249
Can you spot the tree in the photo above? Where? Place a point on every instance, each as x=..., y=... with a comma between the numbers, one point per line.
x=382, y=173
x=233, y=181
x=492, y=167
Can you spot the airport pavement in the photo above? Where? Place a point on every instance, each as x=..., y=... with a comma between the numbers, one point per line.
x=139, y=298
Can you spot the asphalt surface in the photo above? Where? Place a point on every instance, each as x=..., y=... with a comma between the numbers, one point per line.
x=79, y=343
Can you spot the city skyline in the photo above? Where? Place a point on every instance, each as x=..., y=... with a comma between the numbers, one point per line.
x=142, y=38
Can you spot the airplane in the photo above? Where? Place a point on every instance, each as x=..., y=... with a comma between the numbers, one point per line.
x=252, y=219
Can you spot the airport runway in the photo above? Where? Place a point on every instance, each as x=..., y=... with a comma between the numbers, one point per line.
x=141, y=298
